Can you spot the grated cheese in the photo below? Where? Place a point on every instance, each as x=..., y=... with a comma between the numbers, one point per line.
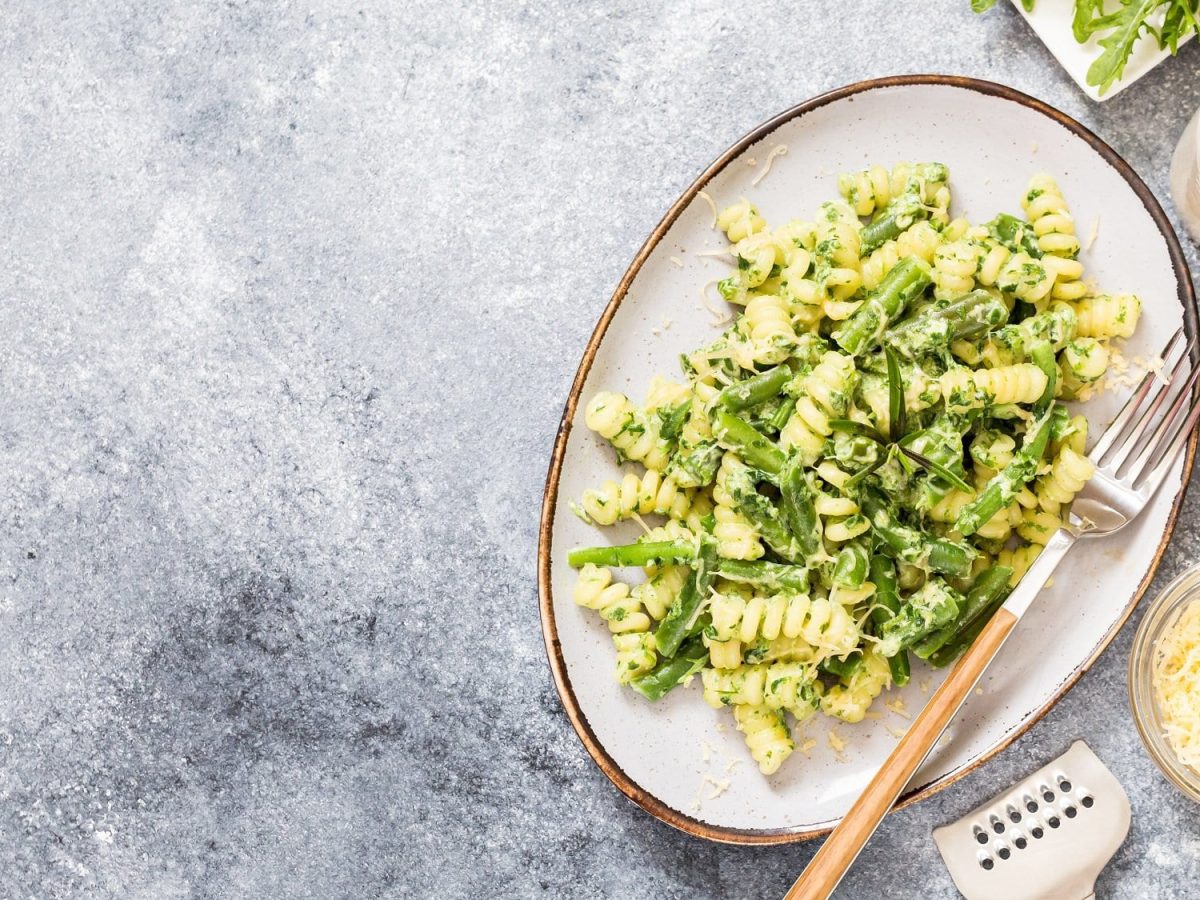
x=677, y=261
x=1175, y=674
x=897, y=706
x=719, y=786
x=836, y=741
x=780, y=150
x=896, y=732
x=711, y=205
x=807, y=747
x=925, y=683
x=1092, y=234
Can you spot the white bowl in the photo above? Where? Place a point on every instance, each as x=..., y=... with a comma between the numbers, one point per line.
x=993, y=139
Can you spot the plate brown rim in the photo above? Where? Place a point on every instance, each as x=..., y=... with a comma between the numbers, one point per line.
x=595, y=749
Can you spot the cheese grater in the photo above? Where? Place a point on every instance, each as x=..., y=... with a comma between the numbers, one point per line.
x=1048, y=836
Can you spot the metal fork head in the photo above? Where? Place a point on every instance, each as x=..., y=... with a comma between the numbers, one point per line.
x=1140, y=446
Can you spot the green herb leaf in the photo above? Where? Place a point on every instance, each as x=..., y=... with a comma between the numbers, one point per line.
x=849, y=426
x=937, y=469
x=1086, y=13
x=980, y=6
x=1127, y=24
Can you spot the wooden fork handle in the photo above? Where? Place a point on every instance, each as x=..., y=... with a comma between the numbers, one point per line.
x=843, y=845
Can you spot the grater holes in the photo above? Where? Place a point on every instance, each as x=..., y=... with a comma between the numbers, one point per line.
x=987, y=864
x=1070, y=812
x=1021, y=842
x=1031, y=804
x=980, y=835
x=1047, y=794
x=997, y=825
x=1004, y=853
x=1054, y=821
x=1037, y=832
x=1014, y=815
x=1064, y=786
x=1087, y=802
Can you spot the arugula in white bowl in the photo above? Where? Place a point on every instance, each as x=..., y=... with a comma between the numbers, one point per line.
x=1118, y=27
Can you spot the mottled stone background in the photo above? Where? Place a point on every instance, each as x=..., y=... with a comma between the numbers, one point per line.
x=291, y=298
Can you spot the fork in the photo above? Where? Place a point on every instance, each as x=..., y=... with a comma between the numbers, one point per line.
x=1130, y=467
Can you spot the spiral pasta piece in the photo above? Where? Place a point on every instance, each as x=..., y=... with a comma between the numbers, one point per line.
x=1019, y=559
x=664, y=394
x=1037, y=526
x=767, y=736
x=946, y=510
x=740, y=220
x=850, y=702
x=966, y=389
x=954, y=268
x=1108, y=316
x=776, y=686
x=1026, y=278
x=822, y=623
x=657, y=593
x=1084, y=361
x=736, y=537
x=634, y=434
x=827, y=392
x=770, y=327
x=874, y=188
x=796, y=240
x=1047, y=211
x=652, y=493
x=920, y=239
x=1069, y=472
x=596, y=590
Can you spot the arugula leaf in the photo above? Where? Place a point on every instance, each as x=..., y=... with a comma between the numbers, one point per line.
x=1028, y=4
x=980, y=6
x=1127, y=24
x=1087, y=13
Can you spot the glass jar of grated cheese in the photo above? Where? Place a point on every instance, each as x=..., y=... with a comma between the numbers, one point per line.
x=1164, y=681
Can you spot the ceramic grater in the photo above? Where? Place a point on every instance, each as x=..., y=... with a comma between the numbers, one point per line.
x=1049, y=836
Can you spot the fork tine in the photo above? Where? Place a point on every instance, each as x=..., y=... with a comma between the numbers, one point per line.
x=1119, y=424
x=1155, y=476
x=1166, y=431
x=1133, y=441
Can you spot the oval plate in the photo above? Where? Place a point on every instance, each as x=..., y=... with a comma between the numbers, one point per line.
x=671, y=757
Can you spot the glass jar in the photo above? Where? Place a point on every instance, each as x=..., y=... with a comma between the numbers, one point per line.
x=1162, y=614
x=1185, y=177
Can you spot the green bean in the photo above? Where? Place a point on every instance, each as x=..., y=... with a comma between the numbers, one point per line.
x=632, y=554
x=780, y=417
x=990, y=584
x=842, y=669
x=798, y=502
x=1042, y=355
x=912, y=545
x=755, y=390
x=683, y=612
x=770, y=576
x=936, y=328
x=955, y=647
x=850, y=566
x=762, y=514
x=893, y=219
x=1008, y=482
x=904, y=283
x=755, y=448
x=669, y=673
x=933, y=606
x=887, y=605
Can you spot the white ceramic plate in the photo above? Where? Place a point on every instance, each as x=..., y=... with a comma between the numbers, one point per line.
x=1051, y=21
x=663, y=755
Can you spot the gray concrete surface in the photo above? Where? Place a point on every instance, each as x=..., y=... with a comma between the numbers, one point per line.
x=290, y=298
